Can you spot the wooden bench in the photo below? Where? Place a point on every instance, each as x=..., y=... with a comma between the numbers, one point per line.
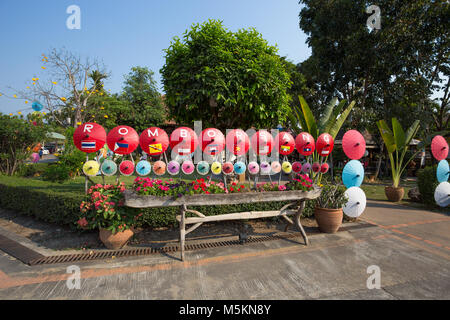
x=297, y=197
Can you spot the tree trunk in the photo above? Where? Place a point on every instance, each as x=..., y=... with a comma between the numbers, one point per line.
x=377, y=172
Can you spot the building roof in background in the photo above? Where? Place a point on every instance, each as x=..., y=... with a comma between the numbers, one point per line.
x=55, y=136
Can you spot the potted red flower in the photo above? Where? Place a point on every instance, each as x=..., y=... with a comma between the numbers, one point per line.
x=104, y=209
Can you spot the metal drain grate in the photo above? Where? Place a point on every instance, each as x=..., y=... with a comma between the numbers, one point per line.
x=102, y=255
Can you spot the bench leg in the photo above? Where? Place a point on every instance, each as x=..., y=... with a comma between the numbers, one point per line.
x=182, y=230
x=298, y=222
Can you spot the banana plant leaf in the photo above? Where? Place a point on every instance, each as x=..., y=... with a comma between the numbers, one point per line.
x=387, y=135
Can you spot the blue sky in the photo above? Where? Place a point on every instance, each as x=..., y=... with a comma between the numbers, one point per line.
x=124, y=34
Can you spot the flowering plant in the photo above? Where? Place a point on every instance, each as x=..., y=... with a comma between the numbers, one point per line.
x=300, y=182
x=155, y=187
x=104, y=208
x=270, y=186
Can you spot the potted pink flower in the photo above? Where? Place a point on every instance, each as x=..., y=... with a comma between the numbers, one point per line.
x=104, y=209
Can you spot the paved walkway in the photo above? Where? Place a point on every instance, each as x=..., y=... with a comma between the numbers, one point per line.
x=410, y=247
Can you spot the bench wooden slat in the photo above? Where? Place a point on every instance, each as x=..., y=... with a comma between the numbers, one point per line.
x=237, y=216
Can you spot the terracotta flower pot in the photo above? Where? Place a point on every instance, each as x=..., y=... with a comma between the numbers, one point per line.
x=115, y=241
x=329, y=220
x=394, y=194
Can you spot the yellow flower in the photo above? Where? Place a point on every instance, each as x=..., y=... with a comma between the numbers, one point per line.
x=19, y=112
x=37, y=79
x=34, y=82
x=10, y=114
x=15, y=96
x=28, y=87
x=82, y=110
x=79, y=123
x=102, y=108
x=26, y=102
x=43, y=68
x=44, y=113
x=92, y=116
x=54, y=82
x=73, y=109
x=63, y=99
x=106, y=117
x=1, y=94
x=87, y=91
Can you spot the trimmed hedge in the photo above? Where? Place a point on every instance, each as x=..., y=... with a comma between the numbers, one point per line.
x=427, y=183
x=60, y=203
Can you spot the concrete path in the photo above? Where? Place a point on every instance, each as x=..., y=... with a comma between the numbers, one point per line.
x=409, y=247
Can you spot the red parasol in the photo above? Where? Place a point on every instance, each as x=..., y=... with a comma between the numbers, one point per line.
x=354, y=144
x=122, y=140
x=227, y=168
x=262, y=142
x=89, y=137
x=439, y=148
x=316, y=167
x=126, y=168
x=324, y=144
x=297, y=167
x=304, y=143
x=325, y=167
x=237, y=142
x=285, y=143
x=183, y=141
x=154, y=141
x=213, y=141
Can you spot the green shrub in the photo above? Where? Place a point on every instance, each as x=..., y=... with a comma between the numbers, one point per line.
x=60, y=203
x=427, y=183
x=40, y=199
x=73, y=161
x=56, y=173
x=32, y=170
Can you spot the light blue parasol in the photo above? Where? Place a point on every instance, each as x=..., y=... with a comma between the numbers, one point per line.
x=353, y=174
x=443, y=171
x=143, y=168
x=109, y=167
x=240, y=167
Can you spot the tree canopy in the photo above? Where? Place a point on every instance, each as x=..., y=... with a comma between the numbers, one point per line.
x=394, y=72
x=226, y=79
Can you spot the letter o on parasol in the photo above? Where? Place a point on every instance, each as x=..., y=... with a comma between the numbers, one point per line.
x=213, y=141
x=183, y=141
x=122, y=140
x=237, y=142
x=154, y=141
x=89, y=137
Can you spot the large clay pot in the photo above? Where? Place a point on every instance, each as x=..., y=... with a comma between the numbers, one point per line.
x=394, y=194
x=115, y=241
x=329, y=220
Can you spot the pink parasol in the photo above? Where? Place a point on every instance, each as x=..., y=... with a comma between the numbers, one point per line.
x=354, y=144
x=439, y=148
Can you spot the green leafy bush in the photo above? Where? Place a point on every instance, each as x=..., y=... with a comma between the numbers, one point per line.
x=60, y=203
x=427, y=183
x=56, y=173
x=73, y=161
x=32, y=170
x=17, y=138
